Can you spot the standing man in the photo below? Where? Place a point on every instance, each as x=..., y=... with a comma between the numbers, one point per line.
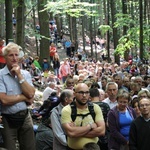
x=68, y=48
x=84, y=128
x=59, y=140
x=119, y=80
x=95, y=98
x=104, y=81
x=139, y=137
x=111, y=90
x=16, y=92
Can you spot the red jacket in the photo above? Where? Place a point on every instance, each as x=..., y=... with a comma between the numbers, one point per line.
x=2, y=60
x=52, y=50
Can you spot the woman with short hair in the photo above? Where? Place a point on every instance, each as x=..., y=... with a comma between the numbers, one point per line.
x=119, y=120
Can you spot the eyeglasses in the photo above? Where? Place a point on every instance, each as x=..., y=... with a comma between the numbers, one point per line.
x=144, y=105
x=82, y=92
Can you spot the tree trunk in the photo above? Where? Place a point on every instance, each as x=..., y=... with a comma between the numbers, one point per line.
x=108, y=35
x=75, y=32
x=105, y=12
x=148, y=11
x=124, y=11
x=70, y=26
x=145, y=16
x=9, y=29
x=2, y=20
x=91, y=36
x=34, y=28
x=58, y=22
x=20, y=23
x=115, y=35
x=141, y=29
x=83, y=32
x=44, y=30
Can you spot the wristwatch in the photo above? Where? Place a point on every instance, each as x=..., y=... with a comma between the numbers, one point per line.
x=21, y=81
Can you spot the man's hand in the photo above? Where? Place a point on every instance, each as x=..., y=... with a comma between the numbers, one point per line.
x=94, y=125
x=15, y=69
x=29, y=101
x=72, y=124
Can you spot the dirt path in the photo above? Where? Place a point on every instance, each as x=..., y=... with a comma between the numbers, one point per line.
x=61, y=53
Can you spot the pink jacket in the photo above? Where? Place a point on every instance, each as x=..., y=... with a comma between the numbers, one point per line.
x=64, y=70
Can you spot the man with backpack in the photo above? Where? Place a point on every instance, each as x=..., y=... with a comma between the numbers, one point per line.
x=82, y=121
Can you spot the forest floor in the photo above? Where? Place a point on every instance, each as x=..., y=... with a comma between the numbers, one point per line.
x=31, y=50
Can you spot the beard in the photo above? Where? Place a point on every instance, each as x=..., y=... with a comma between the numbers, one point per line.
x=81, y=103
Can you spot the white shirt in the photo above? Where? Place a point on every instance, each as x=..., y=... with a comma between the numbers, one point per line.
x=47, y=92
x=110, y=103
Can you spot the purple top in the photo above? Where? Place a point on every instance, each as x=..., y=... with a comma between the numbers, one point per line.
x=116, y=138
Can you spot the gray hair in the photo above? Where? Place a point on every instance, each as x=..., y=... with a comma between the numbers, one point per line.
x=10, y=46
x=65, y=93
x=111, y=83
x=146, y=91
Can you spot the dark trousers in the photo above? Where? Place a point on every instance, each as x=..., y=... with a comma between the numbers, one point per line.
x=24, y=134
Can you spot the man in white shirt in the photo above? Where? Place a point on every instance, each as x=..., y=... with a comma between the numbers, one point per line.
x=111, y=90
x=47, y=92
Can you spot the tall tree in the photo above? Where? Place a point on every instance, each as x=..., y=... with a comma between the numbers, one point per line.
x=124, y=11
x=91, y=32
x=108, y=33
x=20, y=23
x=8, y=12
x=2, y=20
x=141, y=29
x=115, y=31
x=83, y=31
x=44, y=30
x=34, y=25
x=75, y=32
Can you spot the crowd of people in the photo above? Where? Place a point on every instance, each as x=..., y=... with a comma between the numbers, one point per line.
x=87, y=104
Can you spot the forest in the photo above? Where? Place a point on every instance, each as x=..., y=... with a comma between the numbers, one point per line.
x=125, y=24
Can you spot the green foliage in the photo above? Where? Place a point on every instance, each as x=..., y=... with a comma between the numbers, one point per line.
x=146, y=54
x=2, y=1
x=131, y=40
x=104, y=29
x=123, y=20
x=146, y=33
x=28, y=4
x=124, y=44
x=71, y=7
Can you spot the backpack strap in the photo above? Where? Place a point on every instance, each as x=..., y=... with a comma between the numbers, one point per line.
x=73, y=111
x=91, y=110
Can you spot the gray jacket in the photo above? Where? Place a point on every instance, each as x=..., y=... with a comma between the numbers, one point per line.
x=59, y=140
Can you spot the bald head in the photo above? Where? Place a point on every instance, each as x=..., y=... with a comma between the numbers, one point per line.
x=81, y=86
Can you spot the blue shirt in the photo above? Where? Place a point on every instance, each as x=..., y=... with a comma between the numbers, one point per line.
x=125, y=120
x=10, y=85
x=67, y=44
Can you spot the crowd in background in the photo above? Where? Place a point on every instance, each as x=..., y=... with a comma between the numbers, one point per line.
x=122, y=92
